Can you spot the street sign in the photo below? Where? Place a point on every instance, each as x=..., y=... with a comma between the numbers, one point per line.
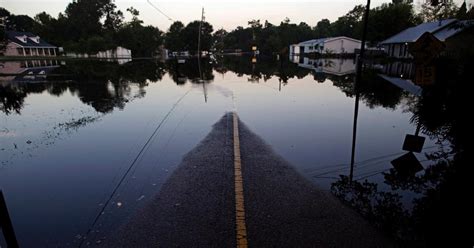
x=425, y=75
x=413, y=143
x=426, y=48
x=407, y=165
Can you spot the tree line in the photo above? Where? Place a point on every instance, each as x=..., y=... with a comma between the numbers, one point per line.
x=89, y=26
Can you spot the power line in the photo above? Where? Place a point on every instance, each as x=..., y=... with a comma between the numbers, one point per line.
x=152, y=5
x=131, y=166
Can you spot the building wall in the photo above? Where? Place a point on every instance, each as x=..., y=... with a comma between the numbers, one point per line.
x=12, y=50
x=397, y=50
x=341, y=45
x=339, y=66
x=461, y=44
x=294, y=49
x=12, y=67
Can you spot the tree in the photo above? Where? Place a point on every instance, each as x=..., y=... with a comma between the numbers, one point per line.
x=190, y=36
x=219, y=37
x=83, y=18
x=462, y=12
x=22, y=23
x=135, y=13
x=323, y=29
x=144, y=41
x=438, y=11
x=390, y=19
x=113, y=18
x=350, y=24
x=173, y=38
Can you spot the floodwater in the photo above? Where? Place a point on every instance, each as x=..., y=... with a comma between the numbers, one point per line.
x=71, y=131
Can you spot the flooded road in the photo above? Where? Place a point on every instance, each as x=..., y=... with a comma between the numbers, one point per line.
x=68, y=139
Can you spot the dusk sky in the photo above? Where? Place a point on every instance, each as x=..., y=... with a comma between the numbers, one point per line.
x=220, y=13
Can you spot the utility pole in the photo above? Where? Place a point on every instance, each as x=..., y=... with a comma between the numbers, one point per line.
x=200, y=31
x=360, y=62
x=199, y=57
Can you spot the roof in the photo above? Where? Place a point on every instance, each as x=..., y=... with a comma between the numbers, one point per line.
x=313, y=41
x=412, y=34
x=450, y=31
x=321, y=40
x=12, y=36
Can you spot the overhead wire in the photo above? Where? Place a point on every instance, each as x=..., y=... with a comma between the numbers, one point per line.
x=156, y=8
x=131, y=167
x=360, y=164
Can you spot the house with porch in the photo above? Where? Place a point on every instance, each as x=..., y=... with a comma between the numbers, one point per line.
x=26, y=44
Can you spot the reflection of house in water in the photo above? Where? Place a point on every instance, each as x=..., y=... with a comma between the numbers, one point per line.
x=26, y=70
x=402, y=75
x=120, y=55
x=399, y=69
x=337, y=67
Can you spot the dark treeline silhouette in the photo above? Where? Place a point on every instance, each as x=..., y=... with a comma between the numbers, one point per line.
x=89, y=26
x=441, y=211
x=102, y=85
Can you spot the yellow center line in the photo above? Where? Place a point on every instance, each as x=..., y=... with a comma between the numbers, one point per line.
x=239, y=189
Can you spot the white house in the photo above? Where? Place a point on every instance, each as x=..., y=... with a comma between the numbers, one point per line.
x=337, y=67
x=25, y=44
x=120, y=54
x=332, y=45
x=448, y=31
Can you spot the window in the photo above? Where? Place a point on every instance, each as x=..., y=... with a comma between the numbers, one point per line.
x=27, y=51
x=20, y=51
x=35, y=39
x=22, y=38
x=40, y=51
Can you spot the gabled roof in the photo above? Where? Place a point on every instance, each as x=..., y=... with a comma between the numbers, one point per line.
x=13, y=37
x=314, y=41
x=447, y=32
x=412, y=34
x=322, y=40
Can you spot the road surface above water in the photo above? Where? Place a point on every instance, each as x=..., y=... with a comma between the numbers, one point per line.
x=199, y=204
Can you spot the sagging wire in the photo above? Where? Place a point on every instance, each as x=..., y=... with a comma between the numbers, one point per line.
x=96, y=219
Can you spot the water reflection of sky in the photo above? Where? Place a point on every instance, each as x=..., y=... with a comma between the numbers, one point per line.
x=61, y=157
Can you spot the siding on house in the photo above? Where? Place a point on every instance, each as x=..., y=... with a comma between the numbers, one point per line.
x=332, y=45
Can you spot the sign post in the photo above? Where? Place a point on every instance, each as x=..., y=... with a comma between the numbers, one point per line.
x=6, y=224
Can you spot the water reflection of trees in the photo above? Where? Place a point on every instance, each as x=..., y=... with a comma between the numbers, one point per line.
x=192, y=70
x=441, y=213
x=12, y=99
x=263, y=68
x=102, y=85
x=374, y=91
x=108, y=85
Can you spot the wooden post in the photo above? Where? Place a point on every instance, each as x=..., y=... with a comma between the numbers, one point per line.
x=6, y=224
